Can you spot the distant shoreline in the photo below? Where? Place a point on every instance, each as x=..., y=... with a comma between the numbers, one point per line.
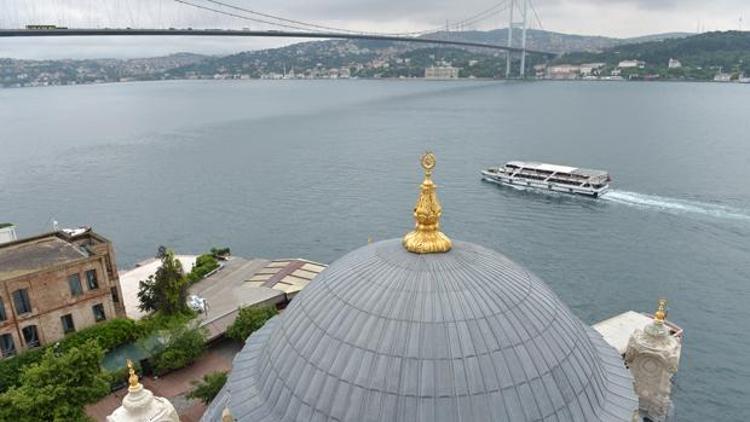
x=461, y=80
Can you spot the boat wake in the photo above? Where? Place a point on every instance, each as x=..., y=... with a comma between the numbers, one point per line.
x=674, y=205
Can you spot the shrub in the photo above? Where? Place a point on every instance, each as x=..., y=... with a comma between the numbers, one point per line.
x=209, y=387
x=184, y=346
x=158, y=321
x=248, y=320
x=108, y=334
x=11, y=368
x=217, y=252
x=57, y=387
x=204, y=264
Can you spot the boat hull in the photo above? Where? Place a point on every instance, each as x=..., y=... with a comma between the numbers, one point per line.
x=518, y=182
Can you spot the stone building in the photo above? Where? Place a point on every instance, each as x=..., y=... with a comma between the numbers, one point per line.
x=54, y=284
x=441, y=72
x=426, y=329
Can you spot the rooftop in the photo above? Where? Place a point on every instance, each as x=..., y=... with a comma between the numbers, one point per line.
x=27, y=256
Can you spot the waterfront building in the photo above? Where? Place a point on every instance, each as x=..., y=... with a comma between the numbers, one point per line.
x=674, y=64
x=441, y=72
x=631, y=64
x=7, y=233
x=723, y=77
x=563, y=71
x=426, y=328
x=54, y=284
x=591, y=69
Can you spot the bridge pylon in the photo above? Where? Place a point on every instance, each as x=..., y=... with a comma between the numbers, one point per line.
x=512, y=24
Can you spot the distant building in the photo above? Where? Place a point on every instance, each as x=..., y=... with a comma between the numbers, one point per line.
x=441, y=72
x=540, y=70
x=674, y=64
x=563, y=71
x=591, y=69
x=55, y=284
x=723, y=77
x=631, y=64
x=7, y=232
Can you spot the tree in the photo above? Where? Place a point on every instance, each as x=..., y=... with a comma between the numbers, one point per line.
x=184, y=346
x=57, y=388
x=166, y=290
x=248, y=320
x=209, y=387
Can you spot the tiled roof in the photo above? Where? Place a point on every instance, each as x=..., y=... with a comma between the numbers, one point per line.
x=387, y=335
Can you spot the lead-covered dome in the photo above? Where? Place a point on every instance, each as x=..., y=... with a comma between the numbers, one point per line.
x=426, y=329
x=384, y=334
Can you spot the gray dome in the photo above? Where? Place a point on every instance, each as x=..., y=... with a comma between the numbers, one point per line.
x=388, y=335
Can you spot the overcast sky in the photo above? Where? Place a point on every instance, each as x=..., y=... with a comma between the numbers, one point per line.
x=615, y=18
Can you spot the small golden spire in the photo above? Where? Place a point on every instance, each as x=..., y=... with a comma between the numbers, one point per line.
x=661, y=312
x=427, y=237
x=133, y=378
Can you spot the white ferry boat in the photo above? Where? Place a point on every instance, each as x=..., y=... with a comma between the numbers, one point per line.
x=553, y=177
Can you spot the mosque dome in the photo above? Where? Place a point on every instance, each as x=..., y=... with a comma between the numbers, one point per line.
x=426, y=329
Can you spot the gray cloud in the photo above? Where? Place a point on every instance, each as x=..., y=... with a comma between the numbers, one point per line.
x=619, y=18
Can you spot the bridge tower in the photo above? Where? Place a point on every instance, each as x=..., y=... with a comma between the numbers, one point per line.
x=512, y=24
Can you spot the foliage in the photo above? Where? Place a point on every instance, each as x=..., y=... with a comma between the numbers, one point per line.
x=166, y=290
x=204, y=264
x=184, y=346
x=249, y=319
x=218, y=252
x=701, y=55
x=57, y=387
x=107, y=335
x=12, y=368
x=207, y=389
x=159, y=321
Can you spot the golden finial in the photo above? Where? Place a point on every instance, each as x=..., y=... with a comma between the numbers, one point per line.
x=661, y=311
x=133, y=378
x=427, y=237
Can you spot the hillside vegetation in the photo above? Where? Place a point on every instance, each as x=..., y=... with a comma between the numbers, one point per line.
x=702, y=56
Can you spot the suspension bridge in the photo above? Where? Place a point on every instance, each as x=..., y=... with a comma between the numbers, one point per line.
x=277, y=26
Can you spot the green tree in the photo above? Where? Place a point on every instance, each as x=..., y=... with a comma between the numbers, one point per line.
x=57, y=388
x=166, y=290
x=209, y=387
x=184, y=346
x=248, y=320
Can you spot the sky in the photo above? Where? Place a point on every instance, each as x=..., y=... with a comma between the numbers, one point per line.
x=614, y=18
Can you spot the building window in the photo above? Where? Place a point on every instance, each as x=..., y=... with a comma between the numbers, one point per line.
x=7, y=345
x=99, y=312
x=74, y=281
x=3, y=315
x=21, y=301
x=30, y=336
x=67, y=323
x=91, y=279
x=115, y=296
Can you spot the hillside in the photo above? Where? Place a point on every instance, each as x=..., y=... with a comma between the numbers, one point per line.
x=701, y=56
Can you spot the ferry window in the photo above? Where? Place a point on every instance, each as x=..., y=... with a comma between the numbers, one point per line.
x=30, y=336
x=21, y=301
x=3, y=315
x=91, y=279
x=74, y=281
x=7, y=345
x=67, y=323
x=99, y=314
x=115, y=296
